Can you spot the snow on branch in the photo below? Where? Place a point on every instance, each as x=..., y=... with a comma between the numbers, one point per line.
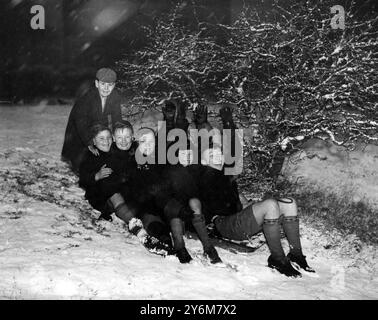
x=290, y=74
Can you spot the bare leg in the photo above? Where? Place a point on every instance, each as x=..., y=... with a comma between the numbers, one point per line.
x=288, y=207
x=267, y=215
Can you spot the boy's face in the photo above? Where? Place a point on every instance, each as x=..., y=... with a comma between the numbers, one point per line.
x=103, y=141
x=123, y=138
x=213, y=158
x=185, y=157
x=104, y=88
x=147, y=143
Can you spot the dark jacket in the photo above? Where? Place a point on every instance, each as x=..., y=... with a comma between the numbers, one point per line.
x=88, y=111
x=90, y=165
x=217, y=192
x=173, y=186
x=124, y=166
x=98, y=192
x=153, y=190
x=124, y=160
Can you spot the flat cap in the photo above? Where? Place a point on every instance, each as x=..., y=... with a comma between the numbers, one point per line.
x=106, y=75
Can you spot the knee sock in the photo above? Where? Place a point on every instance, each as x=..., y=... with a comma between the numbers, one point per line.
x=123, y=212
x=272, y=232
x=177, y=233
x=199, y=225
x=291, y=228
x=136, y=228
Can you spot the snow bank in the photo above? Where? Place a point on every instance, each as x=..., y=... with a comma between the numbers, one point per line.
x=51, y=246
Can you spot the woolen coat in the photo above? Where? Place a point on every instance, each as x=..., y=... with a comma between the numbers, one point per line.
x=86, y=112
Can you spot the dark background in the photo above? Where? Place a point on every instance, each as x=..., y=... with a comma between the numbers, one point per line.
x=81, y=36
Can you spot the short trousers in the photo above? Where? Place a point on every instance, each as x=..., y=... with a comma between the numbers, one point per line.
x=239, y=226
x=242, y=225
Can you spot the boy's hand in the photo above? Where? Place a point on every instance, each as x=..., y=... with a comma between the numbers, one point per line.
x=200, y=115
x=169, y=111
x=93, y=150
x=181, y=110
x=181, y=121
x=226, y=114
x=103, y=173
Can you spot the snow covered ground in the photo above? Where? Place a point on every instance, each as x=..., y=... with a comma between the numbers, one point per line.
x=51, y=246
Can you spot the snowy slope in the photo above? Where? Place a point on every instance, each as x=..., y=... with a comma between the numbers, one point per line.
x=52, y=247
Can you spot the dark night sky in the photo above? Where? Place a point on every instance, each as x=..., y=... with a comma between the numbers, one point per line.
x=74, y=26
x=83, y=35
x=80, y=36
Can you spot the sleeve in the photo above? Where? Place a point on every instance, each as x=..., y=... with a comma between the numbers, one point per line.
x=231, y=125
x=234, y=143
x=182, y=124
x=117, y=112
x=81, y=120
x=86, y=174
x=235, y=193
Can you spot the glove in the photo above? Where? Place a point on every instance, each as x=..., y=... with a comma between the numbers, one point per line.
x=200, y=115
x=181, y=111
x=182, y=124
x=169, y=111
x=226, y=116
x=181, y=121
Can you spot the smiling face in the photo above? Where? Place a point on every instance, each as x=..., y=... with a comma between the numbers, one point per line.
x=146, y=143
x=104, y=88
x=123, y=138
x=213, y=157
x=103, y=140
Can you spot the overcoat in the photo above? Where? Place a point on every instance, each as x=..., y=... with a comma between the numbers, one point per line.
x=86, y=112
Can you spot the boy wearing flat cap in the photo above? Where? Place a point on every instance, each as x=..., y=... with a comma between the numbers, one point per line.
x=101, y=104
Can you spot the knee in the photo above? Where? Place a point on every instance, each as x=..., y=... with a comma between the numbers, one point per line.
x=176, y=227
x=195, y=205
x=289, y=200
x=272, y=209
x=294, y=206
x=289, y=206
x=116, y=200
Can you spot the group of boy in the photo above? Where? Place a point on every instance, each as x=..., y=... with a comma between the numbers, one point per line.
x=217, y=193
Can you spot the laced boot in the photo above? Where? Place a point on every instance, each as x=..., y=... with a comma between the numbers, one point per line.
x=183, y=255
x=283, y=266
x=212, y=254
x=300, y=260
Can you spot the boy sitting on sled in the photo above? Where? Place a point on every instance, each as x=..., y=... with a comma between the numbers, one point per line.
x=102, y=176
